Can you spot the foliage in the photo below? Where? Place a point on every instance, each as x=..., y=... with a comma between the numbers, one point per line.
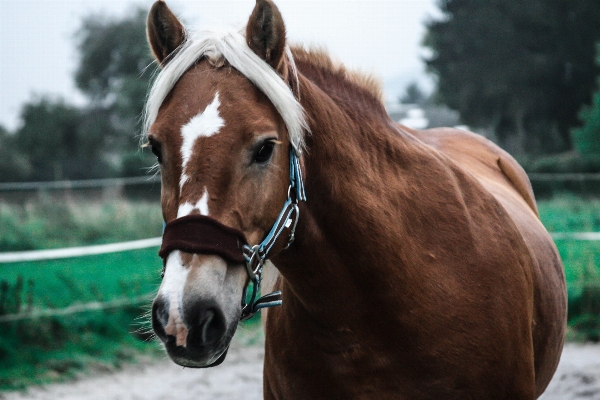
x=51, y=224
x=56, y=348
x=580, y=258
x=520, y=69
x=57, y=140
x=115, y=69
x=587, y=137
x=14, y=165
x=413, y=95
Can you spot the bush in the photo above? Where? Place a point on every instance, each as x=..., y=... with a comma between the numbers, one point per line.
x=587, y=138
x=51, y=224
x=571, y=162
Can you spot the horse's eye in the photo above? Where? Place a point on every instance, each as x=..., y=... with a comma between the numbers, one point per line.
x=264, y=152
x=156, y=150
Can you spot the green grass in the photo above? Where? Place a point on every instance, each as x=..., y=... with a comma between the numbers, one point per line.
x=580, y=258
x=57, y=283
x=57, y=348
x=54, y=348
x=570, y=214
x=53, y=223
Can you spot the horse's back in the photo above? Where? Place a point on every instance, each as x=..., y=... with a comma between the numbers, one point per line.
x=503, y=177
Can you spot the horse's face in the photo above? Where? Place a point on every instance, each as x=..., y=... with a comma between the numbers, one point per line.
x=223, y=152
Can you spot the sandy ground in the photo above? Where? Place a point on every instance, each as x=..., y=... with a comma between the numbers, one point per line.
x=240, y=377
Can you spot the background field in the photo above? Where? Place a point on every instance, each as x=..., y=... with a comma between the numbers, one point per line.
x=55, y=348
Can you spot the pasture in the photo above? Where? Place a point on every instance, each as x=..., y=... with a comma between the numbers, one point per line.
x=55, y=348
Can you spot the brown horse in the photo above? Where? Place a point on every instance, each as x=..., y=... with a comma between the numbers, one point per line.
x=419, y=269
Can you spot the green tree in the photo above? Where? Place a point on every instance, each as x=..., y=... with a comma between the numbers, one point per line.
x=413, y=95
x=14, y=165
x=58, y=141
x=62, y=141
x=521, y=69
x=114, y=72
x=115, y=68
x=587, y=138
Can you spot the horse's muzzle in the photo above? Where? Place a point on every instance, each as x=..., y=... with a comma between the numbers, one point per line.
x=196, y=337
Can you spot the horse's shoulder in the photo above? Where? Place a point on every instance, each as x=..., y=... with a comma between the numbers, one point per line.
x=481, y=157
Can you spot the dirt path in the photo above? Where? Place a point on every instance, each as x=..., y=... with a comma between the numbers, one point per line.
x=240, y=377
x=578, y=374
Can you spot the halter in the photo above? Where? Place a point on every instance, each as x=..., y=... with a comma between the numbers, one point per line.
x=204, y=235
x=257, y=255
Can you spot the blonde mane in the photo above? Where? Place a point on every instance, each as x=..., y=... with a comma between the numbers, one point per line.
x=231, y=47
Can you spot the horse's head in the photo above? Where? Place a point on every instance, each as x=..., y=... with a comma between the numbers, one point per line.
x=221, y=120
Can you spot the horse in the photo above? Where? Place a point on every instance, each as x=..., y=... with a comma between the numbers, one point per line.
x=404, y=264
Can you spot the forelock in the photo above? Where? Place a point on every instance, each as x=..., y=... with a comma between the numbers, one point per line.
x=218, y=47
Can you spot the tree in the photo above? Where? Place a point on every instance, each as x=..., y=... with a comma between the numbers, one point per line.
x=14, y=165
x=587, y=137
x=61, y=141
x=413, y=95
x=522, y=69
x=58, y=141
x=114, y=70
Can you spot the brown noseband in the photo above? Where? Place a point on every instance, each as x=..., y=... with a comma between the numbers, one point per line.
x=198, y=234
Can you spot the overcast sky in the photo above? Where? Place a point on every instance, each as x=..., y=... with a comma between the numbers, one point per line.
x=37, y=50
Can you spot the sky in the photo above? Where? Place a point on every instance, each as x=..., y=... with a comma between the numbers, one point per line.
x=38, y=54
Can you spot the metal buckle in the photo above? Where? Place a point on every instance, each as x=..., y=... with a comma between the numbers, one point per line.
x=254, y=261
x=295, y=214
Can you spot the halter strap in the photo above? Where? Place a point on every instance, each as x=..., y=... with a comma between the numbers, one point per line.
x=257, y=255
x=204, y=235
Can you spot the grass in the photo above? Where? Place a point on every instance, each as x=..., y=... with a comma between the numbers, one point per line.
x=580, y=258
x=57, y=348
x=52, y=223
x=57, y=283
x=50, y=348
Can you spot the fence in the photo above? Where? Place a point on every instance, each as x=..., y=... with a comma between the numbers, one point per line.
x=139, y=187
x=73, y=252
x=543, y=183
x=548, y=184
x=40, y=255
x=148, y=187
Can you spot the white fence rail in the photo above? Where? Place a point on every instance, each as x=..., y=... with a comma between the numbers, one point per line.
x=70, y=252
x=83, y=184
x=39, y=255
x=77, y=308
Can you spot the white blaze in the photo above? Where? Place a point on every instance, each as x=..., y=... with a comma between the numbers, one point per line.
x=207, y=123
x=202, y=205
x=172, y=288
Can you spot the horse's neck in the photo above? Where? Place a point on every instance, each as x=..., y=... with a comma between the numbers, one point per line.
x=352, y=167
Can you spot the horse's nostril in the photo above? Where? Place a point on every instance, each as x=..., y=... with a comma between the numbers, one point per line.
x=209, y=329
x=160, y=316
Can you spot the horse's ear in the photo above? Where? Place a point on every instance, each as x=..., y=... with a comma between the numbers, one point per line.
x=265, y=33
x=165, y=32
